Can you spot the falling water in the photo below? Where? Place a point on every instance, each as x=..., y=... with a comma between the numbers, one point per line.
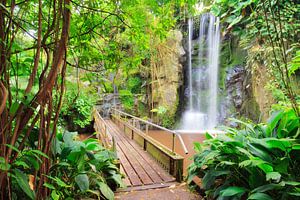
x=202, y=112
x=190, y=22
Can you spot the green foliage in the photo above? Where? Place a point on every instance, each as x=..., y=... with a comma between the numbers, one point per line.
x=259, y=161
x=77, y=106
x=21, y=169
x=165, y=119
x=134, y=84
x=105, y=37
x=83, y=168
x=269, y=30
x=127, y=99
x=22, y=181
x=294, y=65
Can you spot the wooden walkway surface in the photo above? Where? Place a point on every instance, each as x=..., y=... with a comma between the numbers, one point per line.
x=141, y=170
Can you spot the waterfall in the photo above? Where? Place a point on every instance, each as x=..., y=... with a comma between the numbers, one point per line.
x=190, y=78
x=202, y=112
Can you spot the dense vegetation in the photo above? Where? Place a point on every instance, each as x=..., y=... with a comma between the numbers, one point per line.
x=55, y=54
x=258, y=161
x=58, y=58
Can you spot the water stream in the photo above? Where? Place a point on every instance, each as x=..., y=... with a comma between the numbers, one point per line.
x=202, y=109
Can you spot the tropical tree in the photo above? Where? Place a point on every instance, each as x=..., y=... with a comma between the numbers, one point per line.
x=38, y=40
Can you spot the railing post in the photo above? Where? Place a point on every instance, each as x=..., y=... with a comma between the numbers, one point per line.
x=145, y=144
x=114, y=145
x=147, y=129
x=173, y=143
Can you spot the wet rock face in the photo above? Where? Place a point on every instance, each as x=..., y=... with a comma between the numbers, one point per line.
x=239, y=99
x=233, y=96
x=235, y=85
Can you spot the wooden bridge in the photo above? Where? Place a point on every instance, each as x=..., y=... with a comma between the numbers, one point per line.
x=145, y=162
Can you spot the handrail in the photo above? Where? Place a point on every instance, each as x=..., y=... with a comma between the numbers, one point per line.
x=106, y=130
x=160, y=127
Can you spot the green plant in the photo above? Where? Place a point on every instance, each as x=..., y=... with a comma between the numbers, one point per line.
x=21, y=172
x=127, y=99
x=163, y=114
x=82, y=168
x=267, y=27
x=77, y=106
x=259, y=161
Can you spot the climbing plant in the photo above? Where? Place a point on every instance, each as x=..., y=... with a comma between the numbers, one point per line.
x=24, y=36
x=269, y=31
x=39, y=39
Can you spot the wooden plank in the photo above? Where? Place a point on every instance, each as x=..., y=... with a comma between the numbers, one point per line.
x=146, y=187
x=165, y=176
x=130, y=172
x=136, y=166
x=147, y=159
x=132, y=159
x=125, y=179
x=144, y=163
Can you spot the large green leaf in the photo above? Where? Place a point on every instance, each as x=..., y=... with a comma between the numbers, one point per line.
x=260, y=152
x=296, y=147
x=13, y=147
x=39, y=153
x=68, y=138
x=118, y=179
x=283, y=144
x=50, y=186
x=252, y=162
x=267, y=187
x=259, y=196
x=106, y=191
x=59, y=182
x=92, y=145
x=82, y=180
x=247, y=125
x=208, y=136
x=20, y=163
x=233, y=191
x=273, y=121
x=22, y=181
x=33, y=162
x=210, y=177
x=265, y=167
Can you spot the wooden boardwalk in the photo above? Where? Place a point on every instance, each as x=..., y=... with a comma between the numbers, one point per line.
x=141, y=170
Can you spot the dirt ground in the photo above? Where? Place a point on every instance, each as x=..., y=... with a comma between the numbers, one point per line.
x=174, y=192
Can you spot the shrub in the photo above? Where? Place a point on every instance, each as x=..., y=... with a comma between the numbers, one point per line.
x=77, y=107
x=21, y=171
x=83, y=168
x=127, y=99
x=259, y=161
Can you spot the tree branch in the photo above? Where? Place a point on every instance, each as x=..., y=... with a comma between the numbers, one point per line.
x=102, y=11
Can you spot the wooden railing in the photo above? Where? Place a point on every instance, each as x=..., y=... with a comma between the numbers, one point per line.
x=102, y=131
x=167, y=157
